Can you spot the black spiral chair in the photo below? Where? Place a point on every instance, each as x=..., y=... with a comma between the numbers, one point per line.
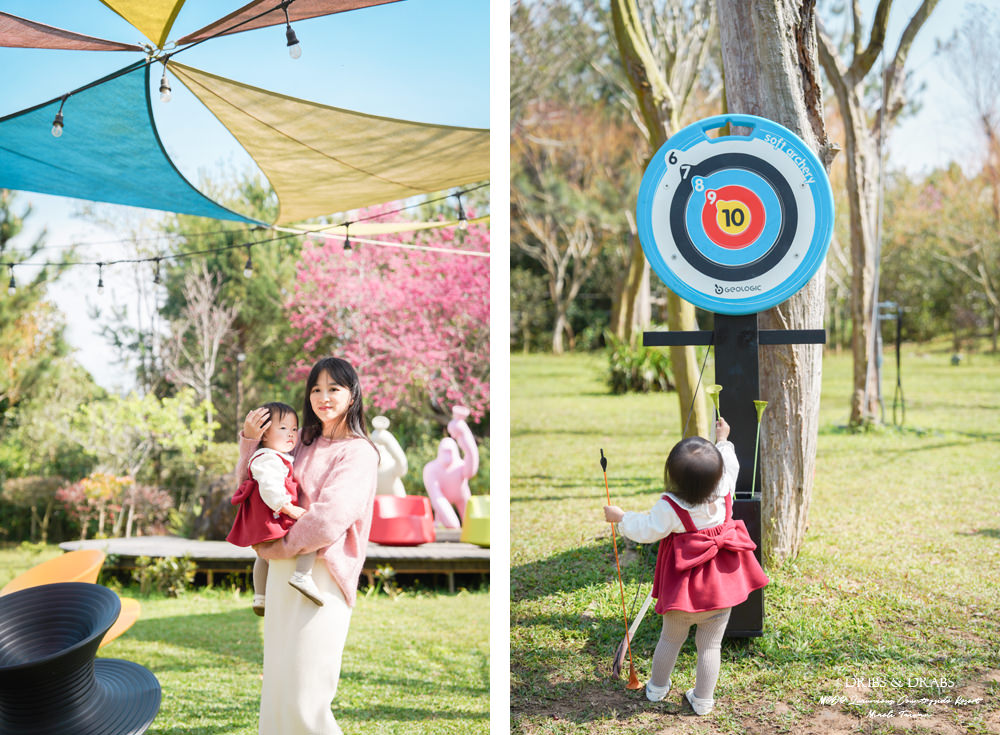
x=50, y=681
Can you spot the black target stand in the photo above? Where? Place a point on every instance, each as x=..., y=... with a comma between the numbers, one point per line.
x=737, y=369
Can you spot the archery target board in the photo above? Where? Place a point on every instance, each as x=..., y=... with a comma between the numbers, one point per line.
x=735, y=224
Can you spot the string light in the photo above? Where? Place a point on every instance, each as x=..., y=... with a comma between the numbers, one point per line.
x=294, y=48
x=12, y=286
x=57, y=124
x=463, y=222
x=347, y=239
x=322, y=231
x=165, y=92
x=248, y=268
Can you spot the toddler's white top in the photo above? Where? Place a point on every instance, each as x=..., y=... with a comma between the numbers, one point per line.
x=270, y=472
x=662, y=520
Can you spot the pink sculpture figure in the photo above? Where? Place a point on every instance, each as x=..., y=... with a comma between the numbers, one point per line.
x=392, y=465
x=447, y=477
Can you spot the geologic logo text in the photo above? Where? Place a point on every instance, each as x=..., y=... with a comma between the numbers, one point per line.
x=736, y=289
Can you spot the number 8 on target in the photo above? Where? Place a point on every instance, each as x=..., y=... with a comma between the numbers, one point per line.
x=735, y=224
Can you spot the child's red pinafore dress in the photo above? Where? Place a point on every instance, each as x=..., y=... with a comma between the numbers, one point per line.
x=255, y=523
x=710, y=569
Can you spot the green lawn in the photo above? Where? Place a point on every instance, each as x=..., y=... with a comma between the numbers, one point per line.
x=897, y=580
x=415, y=664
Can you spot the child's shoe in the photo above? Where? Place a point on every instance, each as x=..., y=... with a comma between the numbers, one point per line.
x=655, y=693
x=304, y=583
x=700, y=706
x=258, y=605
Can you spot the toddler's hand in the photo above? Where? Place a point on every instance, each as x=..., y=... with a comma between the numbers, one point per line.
x=721, y=430
x=613, y=514
x=256, y=423
x=293, y=511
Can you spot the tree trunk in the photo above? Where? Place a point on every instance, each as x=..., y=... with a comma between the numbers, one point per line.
x=656, y=103
x=624, y=311
x=771, y=70
x=46, y=519
x=685, y=367
x=558, y=329
x=861, y=148
x=862, y=194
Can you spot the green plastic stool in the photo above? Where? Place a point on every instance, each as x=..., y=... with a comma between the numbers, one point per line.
x=476, y=527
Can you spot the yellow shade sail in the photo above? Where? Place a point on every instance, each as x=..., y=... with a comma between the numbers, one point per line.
x=322, y=160
x=153, y=18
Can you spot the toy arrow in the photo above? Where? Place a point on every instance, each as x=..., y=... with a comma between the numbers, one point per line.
x=626, y=644
x=633, y=680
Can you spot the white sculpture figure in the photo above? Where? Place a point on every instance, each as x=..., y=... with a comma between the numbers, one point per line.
x=447, y=477
x=392, y=465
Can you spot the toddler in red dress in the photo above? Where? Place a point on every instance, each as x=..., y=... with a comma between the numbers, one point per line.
x=705, y=564
x=267, y=500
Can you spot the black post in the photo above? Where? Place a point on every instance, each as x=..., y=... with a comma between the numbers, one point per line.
x=737, y=370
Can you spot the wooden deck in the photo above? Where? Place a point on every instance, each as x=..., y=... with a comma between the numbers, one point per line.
x=447, y=555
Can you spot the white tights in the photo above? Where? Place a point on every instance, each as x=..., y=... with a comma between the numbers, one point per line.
x=708, y=639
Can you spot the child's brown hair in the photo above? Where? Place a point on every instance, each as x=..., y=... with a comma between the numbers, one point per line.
x=693, y=470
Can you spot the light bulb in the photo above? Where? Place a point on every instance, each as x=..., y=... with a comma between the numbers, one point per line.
x=57, y=125
x=12, y=287
x=463, y=223
x=164, y=88
x=248, y=268
x=294, y=48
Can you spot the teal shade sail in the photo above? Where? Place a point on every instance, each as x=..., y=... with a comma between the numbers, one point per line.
x=109, y=150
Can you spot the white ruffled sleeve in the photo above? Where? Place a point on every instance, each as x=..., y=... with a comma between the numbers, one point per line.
x=270, y=473
x=659, y=522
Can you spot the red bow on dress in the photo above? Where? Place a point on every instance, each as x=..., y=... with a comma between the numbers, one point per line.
x=699, y=547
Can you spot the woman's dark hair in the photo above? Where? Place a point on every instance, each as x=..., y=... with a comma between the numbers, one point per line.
x=341, y=373
x=693, y=470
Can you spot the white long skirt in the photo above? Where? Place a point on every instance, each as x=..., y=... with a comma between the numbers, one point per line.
x=303, y=646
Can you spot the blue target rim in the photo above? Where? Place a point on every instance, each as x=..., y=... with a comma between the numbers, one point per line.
x=819, y=188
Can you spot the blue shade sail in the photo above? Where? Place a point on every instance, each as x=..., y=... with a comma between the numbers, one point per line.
x=109, y=151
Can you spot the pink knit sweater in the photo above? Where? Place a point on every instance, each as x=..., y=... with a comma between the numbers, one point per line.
x=337, y=488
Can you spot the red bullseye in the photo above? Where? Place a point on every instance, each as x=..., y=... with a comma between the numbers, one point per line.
x=732, y=217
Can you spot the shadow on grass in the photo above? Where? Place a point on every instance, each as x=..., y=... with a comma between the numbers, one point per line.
x=559, y=646
x=414, y=684
x=988, y=532
x=626, y=487
x=912, y=431
x=226, y=634
x=581, y=567
x=544, y=684
x=407, y=714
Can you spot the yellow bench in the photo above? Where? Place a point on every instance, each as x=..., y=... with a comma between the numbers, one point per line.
x=74, y=566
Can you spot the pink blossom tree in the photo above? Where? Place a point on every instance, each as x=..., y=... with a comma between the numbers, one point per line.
x=415, y=324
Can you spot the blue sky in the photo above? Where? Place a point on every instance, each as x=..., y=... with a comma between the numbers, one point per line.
x=941, y=131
